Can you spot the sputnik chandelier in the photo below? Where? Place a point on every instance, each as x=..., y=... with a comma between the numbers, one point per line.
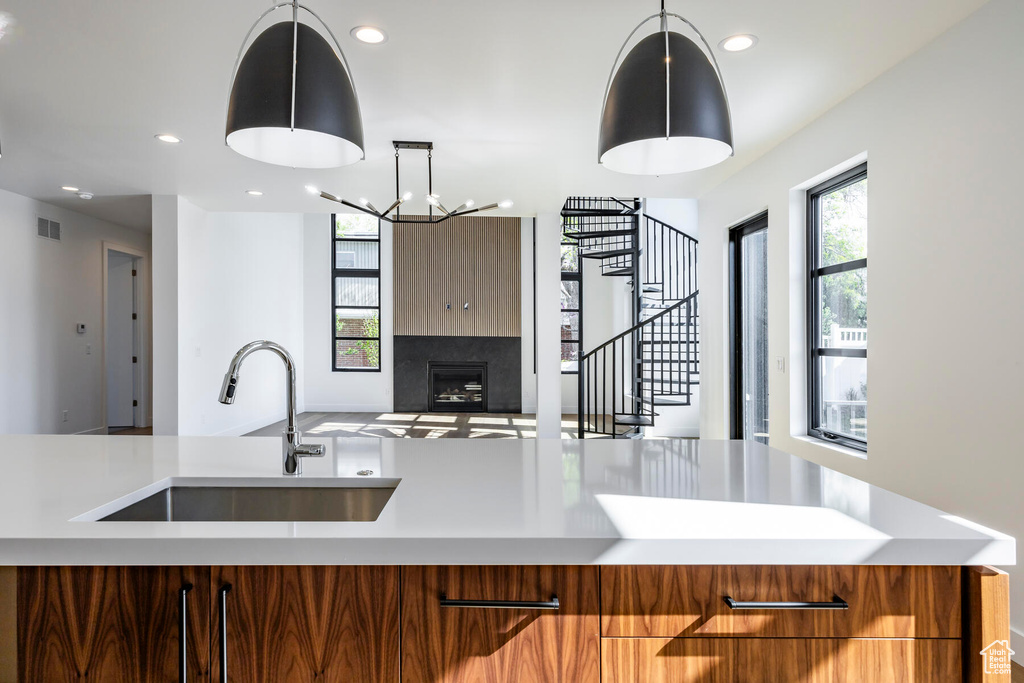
x=393, y=213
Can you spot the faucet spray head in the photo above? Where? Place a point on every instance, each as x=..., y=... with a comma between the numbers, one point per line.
x=227, y=391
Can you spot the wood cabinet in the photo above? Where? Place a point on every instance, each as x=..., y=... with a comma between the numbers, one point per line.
x=112, y=623
x=454, y=624
x=489, y=644
x=281, y=624
x=688, y=601
x=459, y=278
x=771, y=660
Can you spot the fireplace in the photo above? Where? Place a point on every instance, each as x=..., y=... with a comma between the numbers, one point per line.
x=458, y=387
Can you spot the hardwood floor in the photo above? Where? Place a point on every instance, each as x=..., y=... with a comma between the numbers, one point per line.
x=1016, y=673
x=130, y=431
x=420, y=425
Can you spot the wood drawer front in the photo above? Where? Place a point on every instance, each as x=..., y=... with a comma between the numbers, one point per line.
x=769, y=660
x=687, y=601
x=458, y=644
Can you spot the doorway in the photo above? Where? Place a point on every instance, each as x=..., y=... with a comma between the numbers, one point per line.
x=748, y=266
x=125, y=353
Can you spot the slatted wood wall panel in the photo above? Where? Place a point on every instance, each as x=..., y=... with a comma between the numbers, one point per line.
x=469, y=260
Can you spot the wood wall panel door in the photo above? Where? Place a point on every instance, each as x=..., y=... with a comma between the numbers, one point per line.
x=474, y=261
x=110, y=623
x=463, y=645
x=769, y=660
x=331, y=624
x=688, y=601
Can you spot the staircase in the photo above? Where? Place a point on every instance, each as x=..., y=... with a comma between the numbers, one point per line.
x=656, y=361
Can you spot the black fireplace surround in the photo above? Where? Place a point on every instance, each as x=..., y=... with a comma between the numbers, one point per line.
x=500, y=357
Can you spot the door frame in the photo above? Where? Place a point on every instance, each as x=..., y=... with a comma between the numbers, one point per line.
x=737, y=232
x=143, y=377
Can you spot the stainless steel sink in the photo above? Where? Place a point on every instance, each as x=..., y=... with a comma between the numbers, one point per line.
x=212, y=500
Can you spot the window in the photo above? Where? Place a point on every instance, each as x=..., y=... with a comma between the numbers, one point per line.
x=355, y=294
x=837, y=309
x=572, y=307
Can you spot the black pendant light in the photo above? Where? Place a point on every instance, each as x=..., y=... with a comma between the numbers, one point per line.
x=292, y=100
x=665, y=109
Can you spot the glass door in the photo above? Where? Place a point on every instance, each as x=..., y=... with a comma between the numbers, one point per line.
x=748, y=259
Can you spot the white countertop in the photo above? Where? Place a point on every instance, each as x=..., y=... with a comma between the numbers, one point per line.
x=473, y=501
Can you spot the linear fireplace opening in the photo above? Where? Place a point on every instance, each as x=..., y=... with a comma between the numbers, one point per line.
x=457, y=387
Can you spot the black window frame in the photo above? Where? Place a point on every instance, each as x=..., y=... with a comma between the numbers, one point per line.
x=736, y=235
x=572, y=276
x=815, y=271
x=337, y=272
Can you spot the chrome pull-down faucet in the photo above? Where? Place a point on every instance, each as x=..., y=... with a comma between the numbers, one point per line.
x=293, y=450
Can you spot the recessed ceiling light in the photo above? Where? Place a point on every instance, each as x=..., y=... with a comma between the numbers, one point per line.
x=69, y=188
x=85, y=195
x=254, y=193
x=369, y=34
x=168, y=138
x=312, y=189
x=738, y=43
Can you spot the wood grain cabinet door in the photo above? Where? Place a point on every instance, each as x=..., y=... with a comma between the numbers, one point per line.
x=463, y=644
x=773, y=660
x=112, y=624
x=302, y=623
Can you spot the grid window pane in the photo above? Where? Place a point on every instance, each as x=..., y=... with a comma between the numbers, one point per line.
x=844, y=396
x=570, y=295
x=356, y=226
x=357, y=353
x=356, y=322
x=844, y=310
x=356, y=254
x=570, y=258
x=844, y=224
x=570, y=356
x=356, y=291
x=570, y=326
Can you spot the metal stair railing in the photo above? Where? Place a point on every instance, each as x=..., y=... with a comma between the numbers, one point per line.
x=616, y=394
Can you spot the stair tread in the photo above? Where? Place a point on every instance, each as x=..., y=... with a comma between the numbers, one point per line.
x=608, y=253
x=591, y=234
x=634, y=420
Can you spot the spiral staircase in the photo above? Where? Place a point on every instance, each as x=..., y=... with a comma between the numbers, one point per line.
x=656, y=362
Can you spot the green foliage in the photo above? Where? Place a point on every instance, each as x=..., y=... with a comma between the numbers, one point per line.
x=356, y=225
x=570, y=258
x=369, y=347
x=844, y=238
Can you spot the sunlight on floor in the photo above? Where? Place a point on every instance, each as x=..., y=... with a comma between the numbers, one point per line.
x=488, y=420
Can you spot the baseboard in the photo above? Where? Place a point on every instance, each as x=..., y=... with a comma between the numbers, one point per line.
x=1017, y=645
x=347, y=408
x=94, y=431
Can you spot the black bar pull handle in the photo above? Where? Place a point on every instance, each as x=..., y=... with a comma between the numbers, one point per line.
x=224, y=590
x=183, y=632
x=836, y=603
x=502, y=604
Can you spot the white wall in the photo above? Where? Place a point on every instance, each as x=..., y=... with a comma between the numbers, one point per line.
x=48, y=287
x=239, y=279
x=942, y=135
x=600, y=322
x=326, y=390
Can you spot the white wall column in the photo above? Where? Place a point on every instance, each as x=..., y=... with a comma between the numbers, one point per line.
x=549, y=374
x=165, y=315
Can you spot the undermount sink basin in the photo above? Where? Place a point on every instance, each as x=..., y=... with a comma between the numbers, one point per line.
x=253, y=500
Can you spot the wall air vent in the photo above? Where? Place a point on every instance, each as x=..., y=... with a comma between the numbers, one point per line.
x=47, y=228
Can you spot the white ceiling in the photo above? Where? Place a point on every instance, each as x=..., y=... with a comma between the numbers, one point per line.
x=510, y=93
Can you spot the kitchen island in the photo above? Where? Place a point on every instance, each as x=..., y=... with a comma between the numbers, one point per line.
x=612, y=560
